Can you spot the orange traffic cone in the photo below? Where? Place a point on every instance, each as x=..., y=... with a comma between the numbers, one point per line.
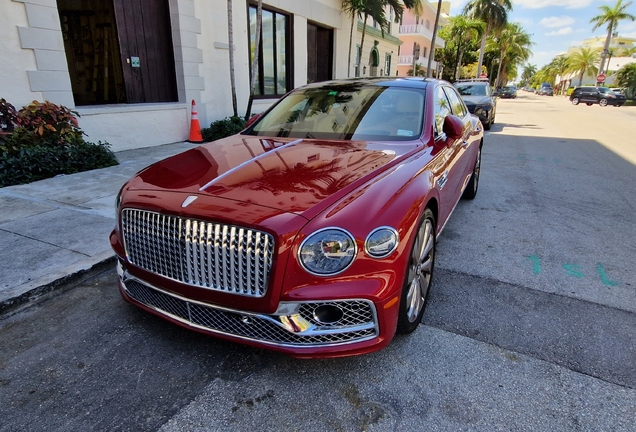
x=195, y=127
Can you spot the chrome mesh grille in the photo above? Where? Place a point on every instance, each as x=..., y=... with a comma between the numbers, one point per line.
x=204, y=254
x=258, y=327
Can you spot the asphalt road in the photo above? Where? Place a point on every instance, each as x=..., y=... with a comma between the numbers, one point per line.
x=530, y=326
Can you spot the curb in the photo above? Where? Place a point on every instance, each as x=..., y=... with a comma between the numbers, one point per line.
x=13, y=304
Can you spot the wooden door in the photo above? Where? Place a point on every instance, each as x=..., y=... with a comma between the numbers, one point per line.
x=147, y=55
x=319, y=53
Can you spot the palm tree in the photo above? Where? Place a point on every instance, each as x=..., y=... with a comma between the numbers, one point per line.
x=462, y=31
x=432, y=50
x=355, y=9
x=610, y=17
x=627, y=52
x=230, y=40
x=529, y=70
x=376, y=9
x=257, y=42
x=626, y=77
x=513, y=43
x=583, y=62
x=419, y=71
x=494, y=13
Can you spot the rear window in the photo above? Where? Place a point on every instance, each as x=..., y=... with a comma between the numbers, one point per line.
x=471, y=89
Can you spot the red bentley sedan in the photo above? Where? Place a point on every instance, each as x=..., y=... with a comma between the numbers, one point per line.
x=313, y=231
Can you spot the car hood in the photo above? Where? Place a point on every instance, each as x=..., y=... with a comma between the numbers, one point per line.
x=279, y=173
x=476, y=100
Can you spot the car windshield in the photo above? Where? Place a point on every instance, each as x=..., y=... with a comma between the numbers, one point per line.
x=604, y=90
x=346, y=112
x=471, y=89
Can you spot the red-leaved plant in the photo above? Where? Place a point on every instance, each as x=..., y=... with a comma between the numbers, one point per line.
x=49, y=123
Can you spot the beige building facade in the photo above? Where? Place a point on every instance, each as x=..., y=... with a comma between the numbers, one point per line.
x=132, y=67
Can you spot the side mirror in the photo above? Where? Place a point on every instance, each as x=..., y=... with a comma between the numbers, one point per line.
x=453, y=127
x=252, y=120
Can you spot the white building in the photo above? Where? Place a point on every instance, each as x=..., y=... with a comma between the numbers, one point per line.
x=132, y=67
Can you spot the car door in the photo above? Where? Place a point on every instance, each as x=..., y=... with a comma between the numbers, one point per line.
x=445, y=156
x=465, y=150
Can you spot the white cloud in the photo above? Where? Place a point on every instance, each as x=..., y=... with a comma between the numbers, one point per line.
x=540, y=4
x=524, y=21
x=560, y=32
x=554, y=22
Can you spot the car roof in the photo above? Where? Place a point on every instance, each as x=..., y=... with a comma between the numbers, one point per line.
x=408, y=82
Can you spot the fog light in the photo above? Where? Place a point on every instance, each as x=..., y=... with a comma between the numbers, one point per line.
x=328, y=314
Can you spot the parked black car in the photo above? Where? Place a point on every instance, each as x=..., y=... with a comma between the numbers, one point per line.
x=546, y=91
x=601, y=95
x=508, y=92
x=479, y=99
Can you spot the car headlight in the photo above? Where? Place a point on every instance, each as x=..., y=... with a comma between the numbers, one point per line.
x=485, y=106
x=327, y=252
x=381, y=242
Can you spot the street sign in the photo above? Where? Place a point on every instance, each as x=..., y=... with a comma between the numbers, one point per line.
x=483, y=75
x=600, y=78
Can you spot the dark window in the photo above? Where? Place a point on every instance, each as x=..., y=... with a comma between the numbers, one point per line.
x=457, y=105
x=442, y=110
x=273, y=75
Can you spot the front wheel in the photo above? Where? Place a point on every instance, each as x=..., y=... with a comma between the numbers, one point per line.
x=575, y=101
x=603, y=102
x=471, y=188
x=419, y=275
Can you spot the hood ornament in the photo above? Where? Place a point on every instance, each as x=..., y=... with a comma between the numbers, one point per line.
x=189, y=200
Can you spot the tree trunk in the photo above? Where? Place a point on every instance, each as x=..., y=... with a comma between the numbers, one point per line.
x=498, y=82
x=353, y=20
x=605, y=49
x=364, y=32
x=230, y=39
x=481, y=54
x=431, y=54
x=257, y=45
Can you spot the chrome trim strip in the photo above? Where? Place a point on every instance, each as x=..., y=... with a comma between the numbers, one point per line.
x=247, y=162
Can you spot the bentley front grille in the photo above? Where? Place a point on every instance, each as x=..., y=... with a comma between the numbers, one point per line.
x=211, y=255
x=358, y=321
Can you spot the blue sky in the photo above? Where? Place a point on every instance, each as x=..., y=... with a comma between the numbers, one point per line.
x=556, y=25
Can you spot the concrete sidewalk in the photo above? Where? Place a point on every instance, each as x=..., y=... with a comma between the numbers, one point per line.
x=56, y=231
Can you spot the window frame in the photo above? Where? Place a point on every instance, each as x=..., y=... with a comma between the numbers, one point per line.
x=259, y=93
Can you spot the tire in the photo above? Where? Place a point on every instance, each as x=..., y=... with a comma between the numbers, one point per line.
x=473, y=184
x=419, y=275
x=487, y=125
x=588, y=103
x=575, y=101
x=603, y=102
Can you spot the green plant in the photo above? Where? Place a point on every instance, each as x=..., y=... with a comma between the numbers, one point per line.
x=38, y=162
x=8, y=116
x=223, y=128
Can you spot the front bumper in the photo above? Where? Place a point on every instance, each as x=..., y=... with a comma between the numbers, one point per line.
x=296, y=328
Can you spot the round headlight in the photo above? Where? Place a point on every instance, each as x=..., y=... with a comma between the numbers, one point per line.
x=381, y=242
x=327, y=252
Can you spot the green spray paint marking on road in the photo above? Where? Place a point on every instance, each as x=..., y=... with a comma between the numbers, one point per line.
x=573, y=270
x=536, y=262
x=603, y=275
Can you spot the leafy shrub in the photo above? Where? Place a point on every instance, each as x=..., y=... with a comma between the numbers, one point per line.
x=223, y=128
x=39, y=162
x=47, y=141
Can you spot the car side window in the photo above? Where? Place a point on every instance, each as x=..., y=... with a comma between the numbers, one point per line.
x=442, y=110
x=457, y=104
